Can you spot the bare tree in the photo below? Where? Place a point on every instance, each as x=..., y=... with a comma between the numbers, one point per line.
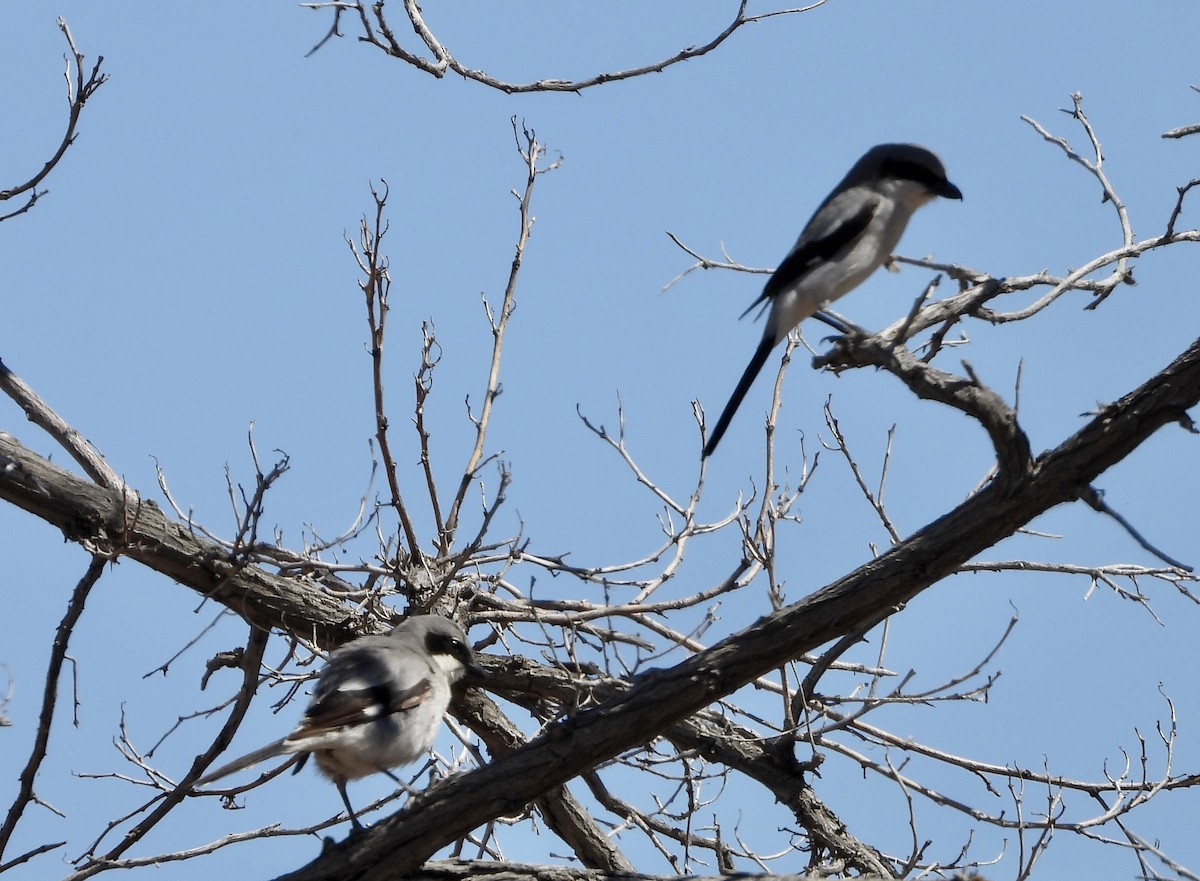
x=663, y=732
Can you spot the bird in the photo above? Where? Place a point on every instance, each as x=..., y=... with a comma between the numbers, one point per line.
x=851, y=234
x=378, y=704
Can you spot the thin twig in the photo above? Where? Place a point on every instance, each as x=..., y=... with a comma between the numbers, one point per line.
x=79, y=91
x=58, y=655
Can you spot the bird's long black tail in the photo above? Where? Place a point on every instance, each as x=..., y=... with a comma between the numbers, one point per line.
x=752, y=370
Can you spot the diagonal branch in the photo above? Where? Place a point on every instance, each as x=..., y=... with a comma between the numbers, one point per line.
x=44, y=416
x=400, y=844
x=251, y=661
x=107, y=521
x=58, y=655
x=563, y=813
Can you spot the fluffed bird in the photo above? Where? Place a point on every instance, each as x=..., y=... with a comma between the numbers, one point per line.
x=851, y=235
x=377, y=704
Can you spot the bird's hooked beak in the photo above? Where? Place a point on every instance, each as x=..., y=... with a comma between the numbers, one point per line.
x=947, y=190
x=475, y=671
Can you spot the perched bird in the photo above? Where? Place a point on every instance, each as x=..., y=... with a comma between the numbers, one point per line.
x=851, y=235
x=377, y=704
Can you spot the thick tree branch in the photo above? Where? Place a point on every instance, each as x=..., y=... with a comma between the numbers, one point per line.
x=1013, y=456
x=446, y=870
x=563, y=813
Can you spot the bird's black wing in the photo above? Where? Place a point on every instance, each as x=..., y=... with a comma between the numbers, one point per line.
x=357, y=687
x=816, y=250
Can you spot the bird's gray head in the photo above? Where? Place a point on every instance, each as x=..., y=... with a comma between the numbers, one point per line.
x=445, y=641
x=918, y=171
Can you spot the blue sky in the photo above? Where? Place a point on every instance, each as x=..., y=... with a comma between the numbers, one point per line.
x=187, y=277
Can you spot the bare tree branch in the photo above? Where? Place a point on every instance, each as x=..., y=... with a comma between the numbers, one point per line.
x=531, y=153
x=42, y=415
x=102, y=519
x=62, y=637
x=166, y=802
x=378, y=32
x=79, y=90
x=375, y=285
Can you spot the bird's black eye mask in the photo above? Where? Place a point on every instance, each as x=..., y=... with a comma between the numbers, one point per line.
x=902, y=169
x=443, y=644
